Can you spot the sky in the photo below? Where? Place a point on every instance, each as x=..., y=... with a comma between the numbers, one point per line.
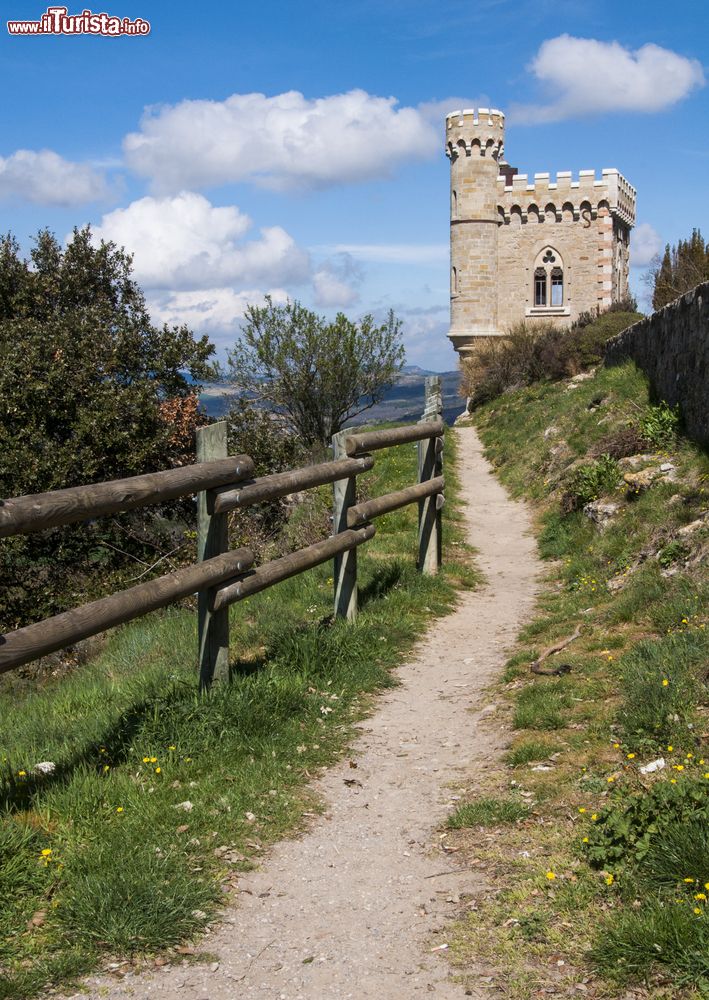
x=297, y=149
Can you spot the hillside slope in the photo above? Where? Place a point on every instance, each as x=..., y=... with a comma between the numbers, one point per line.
x=597, y=842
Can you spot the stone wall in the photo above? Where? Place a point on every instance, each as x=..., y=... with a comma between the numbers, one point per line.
x=672, y=348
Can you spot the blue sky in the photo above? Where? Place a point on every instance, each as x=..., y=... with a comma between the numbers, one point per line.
x=297, y=149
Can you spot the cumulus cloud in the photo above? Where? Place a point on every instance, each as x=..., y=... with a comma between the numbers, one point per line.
x=584, y=76
x=335, y=282
x=281, y=142
x=645, y=244
x=185, y=242
x=215, y=311
x=46, y=178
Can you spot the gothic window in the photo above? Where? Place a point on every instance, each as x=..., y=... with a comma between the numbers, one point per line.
x=540, y=287
x=548, y=279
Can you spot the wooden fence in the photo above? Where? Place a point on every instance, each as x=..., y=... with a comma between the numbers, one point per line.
x=221, y=577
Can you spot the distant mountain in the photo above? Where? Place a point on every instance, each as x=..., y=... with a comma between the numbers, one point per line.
x=403, y=402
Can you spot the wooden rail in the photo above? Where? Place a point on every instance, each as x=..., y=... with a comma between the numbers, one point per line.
x=36, y=512
x=33, y=641
x=221, y=577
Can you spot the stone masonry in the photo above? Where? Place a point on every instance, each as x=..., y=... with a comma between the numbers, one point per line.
x=540, y=251
x=672, y=348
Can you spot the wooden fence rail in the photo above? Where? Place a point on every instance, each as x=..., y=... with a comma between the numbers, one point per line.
x=221, y=577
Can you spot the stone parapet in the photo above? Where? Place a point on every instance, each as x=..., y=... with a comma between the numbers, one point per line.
x=672, y=349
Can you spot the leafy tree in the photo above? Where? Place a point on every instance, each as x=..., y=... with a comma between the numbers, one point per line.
x=316, y=373
x=85, y=375
x=90, y=390
x=679, y=269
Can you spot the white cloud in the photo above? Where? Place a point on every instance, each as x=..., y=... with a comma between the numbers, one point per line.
x=286, y=141
x=584, y=76
x=213, y=311
x=185, y=242
x=46, y=178
x=645, y=244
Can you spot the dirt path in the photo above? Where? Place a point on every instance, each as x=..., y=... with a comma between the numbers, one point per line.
x=350, y=910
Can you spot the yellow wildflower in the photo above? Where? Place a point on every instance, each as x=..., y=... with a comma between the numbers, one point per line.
x=158, y=770
x=119, y=809
x=631, y=756
x=665, y=682
x=46, y=852
x=551, y=876
x=610, y=879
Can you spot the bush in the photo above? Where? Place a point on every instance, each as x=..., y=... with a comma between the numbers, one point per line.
x=660, y=425
x=621, y=443
x=90, y=390
x=589, y=482
x=530, y=354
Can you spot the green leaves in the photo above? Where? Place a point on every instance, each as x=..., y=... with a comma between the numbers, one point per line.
x=316, y=373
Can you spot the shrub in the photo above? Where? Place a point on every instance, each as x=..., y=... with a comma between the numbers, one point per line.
x=660, y=425
x=589, y=482
x=621, y=443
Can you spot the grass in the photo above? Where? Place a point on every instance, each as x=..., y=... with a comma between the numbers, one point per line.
x=158, y=796
x=598, y=880
x=487, y=812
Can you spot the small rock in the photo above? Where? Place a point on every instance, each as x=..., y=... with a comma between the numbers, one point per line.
x=654, y=765
x=186, y=806
x=551, y=431
x=601, y=512
x=667, y=467
x=44, y=767
x=634, y=462
x=638, y=482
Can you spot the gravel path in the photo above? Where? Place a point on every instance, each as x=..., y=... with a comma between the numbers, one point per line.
x=352, y=909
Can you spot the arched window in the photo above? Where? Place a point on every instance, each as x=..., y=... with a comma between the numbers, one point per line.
x=548, y=280
x=454, y=281
x=454, y=205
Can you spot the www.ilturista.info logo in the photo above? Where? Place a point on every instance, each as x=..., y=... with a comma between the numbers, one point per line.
x=58, y=21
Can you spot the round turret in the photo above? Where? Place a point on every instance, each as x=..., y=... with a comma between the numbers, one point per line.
x=474, y=144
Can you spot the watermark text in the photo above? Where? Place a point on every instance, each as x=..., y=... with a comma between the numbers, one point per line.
x=58, y=21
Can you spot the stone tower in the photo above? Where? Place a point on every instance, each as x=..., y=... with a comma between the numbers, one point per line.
x=474, y=144
x=538, y=250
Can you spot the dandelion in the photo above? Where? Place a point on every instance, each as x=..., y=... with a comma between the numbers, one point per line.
x=158, y=770
x=673, y=781
x=551, y=876
x=153, y=760
x=22, y=774
x=119, y=809
x=689, y=880
x=582, y=809
x=616, y=746
x=700, y=895
x=670, y=749
x=610, y=778
x=678, y=767
x=631, y=756
x=146, y=760
x=697, y=911
x=172, y=748
x=585, y=840
x=594, y=817
x=707, y=774
x=610, y=879
x=665, y=682
x=47, y=852
x=188, y=760
x=106, y=767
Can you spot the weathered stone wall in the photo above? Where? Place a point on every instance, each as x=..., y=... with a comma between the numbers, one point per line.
x=672, y=348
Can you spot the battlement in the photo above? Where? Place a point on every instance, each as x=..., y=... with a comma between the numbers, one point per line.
x=611, y=190
x=479, y=131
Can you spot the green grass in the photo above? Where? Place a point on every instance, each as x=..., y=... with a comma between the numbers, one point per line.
x=618, y=842
x=160, y=795
x=487, y=812
x=529, y=751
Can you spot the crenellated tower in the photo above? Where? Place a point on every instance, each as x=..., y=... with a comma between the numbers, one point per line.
x=541, y=250
x=474, y=144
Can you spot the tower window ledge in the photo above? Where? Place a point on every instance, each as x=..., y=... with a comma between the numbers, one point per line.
x=548, y=311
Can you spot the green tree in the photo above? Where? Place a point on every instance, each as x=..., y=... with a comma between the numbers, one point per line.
x=85, y=375
x=317, y=374
x=90, y=390
x=679, y=269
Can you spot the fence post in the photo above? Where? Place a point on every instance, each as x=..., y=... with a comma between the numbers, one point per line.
x=212, y=540
x=345, y=573
x=430, y=462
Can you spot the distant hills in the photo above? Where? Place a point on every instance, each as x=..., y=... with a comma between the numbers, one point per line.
x=403, y=402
